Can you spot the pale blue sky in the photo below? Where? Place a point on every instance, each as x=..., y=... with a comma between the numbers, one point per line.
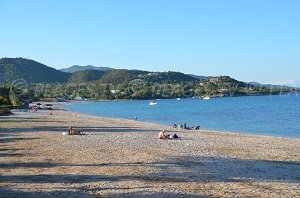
x=246, y=39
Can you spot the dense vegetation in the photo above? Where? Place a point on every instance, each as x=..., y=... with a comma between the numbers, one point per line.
x=76, y=68
x=117, y=84
x=84, y=76
x=121, y=75
x=12, y=69
x=4, y=101
x=8, y=98
x=222, y=86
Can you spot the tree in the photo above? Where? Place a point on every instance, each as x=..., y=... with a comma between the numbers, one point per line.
x=13, y=98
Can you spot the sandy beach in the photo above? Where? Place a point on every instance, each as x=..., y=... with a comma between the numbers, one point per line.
x=125, y=158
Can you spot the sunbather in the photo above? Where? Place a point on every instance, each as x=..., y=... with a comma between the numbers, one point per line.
x=163, y=136
x=72, y=131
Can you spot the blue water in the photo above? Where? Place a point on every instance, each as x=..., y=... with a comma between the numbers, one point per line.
x=263, y=115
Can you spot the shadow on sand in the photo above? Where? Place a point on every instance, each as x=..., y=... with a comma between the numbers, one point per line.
x=173, y=170
x=201, y=169
x=84, y=129
x=84, y=193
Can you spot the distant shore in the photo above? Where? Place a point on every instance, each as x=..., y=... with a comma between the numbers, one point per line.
x=125, y=158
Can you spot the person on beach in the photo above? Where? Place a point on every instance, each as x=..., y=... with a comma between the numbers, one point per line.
x=72, y=131
x=163, y=136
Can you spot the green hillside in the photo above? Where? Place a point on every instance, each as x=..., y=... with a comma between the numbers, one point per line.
x=125, y=76
x=118, y=76
x=171, y=77
x=76, y=68
x=85, y=76
x=119, y=84
x=200, y=77
x=29, y=70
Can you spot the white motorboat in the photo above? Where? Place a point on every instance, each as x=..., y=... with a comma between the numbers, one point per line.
x=153, y=103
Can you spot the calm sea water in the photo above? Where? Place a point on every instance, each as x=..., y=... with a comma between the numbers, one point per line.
x=263, y=115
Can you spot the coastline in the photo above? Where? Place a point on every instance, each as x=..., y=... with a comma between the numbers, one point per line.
x=265, y=133
x=124, y=158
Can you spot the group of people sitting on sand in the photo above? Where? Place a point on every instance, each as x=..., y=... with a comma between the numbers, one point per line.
x=183, y=126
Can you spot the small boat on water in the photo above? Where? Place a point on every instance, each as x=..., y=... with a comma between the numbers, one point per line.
x=153, y=103
x=178, y=98
x=206, y=98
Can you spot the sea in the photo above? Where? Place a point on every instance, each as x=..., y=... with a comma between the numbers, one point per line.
x=277, y=115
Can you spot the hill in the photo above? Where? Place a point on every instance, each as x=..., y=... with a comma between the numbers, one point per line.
x=34, y=72
x=169, y=77
x=84, y=76
x=200, y=77
x=76, y=68
x=118, y=76
x=121, y=75
x=31, y=71
x=270, y=86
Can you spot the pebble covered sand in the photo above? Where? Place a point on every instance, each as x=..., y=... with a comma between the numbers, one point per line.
x=125, y=158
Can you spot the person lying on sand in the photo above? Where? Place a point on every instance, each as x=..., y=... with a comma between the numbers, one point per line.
x=72, y=131
x=163, y=136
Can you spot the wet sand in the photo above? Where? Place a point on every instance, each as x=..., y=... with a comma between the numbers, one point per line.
x=124, y=158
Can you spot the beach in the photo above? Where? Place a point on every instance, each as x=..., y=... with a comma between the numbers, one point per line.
x=125, y=158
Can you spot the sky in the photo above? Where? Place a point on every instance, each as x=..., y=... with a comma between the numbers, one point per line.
x=250, y=40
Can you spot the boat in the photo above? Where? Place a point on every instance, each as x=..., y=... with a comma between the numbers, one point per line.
x=178, y=98
x=206, y=98
x=153, y=103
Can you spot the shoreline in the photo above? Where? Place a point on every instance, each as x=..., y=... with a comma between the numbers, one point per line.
x=201, y=129
x=166, y=127
x=285, y=94
x=124, y=158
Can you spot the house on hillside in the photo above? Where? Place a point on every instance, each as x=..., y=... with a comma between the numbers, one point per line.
x=153, y=74
x=214, y=80
x=115, y=92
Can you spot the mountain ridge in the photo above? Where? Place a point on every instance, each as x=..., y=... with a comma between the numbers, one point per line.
x=122, y=83
x=76, y=68
x=34, y=72
x=31, y=71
